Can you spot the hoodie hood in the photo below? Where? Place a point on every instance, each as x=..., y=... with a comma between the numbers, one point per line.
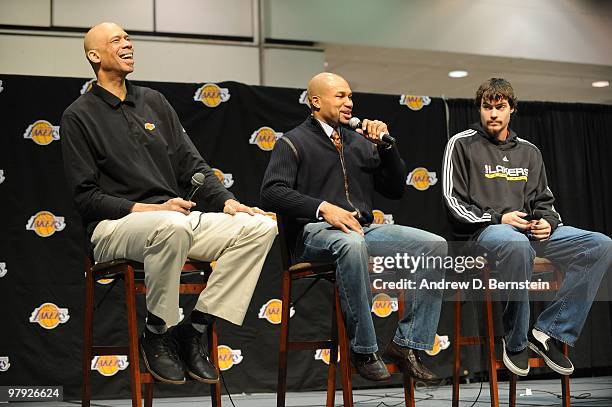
x=507, y=144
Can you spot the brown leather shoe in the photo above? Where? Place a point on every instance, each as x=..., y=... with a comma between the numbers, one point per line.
x=370, y=366
x=409, y=362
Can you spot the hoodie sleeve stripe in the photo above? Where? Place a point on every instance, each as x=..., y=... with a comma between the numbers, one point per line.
x=447, y=183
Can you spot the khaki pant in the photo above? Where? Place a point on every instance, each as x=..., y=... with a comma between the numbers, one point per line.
x=163, y=240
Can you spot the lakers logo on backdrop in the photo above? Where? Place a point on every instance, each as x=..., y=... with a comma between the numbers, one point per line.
x=440, y=343
x=421, y=178
x=383, y=305
x=324, y=355
x=272, y=311
x=109, y=365
x=42, y=132
x=4, y=363
x=414, y=102
x=226, y=179
x=211, y=95
x=265, y=138
x=381, y=218
x=228, y=357
x=44, y=224
x=3, y=270
x=87, y=86
x=105, y=281
x=2, y=177
x=304, y=98
x=49, y=315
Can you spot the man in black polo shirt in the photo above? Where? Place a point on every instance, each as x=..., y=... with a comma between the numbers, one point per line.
x=128, y=162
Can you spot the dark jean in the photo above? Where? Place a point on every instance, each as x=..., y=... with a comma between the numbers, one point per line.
x=585, y=256
x=351, y=251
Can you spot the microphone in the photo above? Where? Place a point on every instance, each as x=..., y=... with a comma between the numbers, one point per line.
x=197, y=180
x=355, y=123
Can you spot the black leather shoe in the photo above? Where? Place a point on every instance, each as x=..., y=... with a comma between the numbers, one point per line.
x=370, y=366
x=194, y=354
x=409, y=362
x=161, y=358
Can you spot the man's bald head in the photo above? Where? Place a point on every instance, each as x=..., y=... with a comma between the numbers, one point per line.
x=106, y=45
x=96, y=36
x=323, y=82
x=330, y=98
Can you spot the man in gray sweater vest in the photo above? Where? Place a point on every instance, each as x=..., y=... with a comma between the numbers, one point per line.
x=322, y=176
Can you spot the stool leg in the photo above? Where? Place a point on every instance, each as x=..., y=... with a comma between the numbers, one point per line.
x=408, y=391
x=513, y=379
x=345, y=358
x=333, y=360
x=215, y=388
x=87, y=334
x=565, y=387
x=490, y=344
x=148, y=396
x=130, y=301
x=281, y=386
x=457, y=350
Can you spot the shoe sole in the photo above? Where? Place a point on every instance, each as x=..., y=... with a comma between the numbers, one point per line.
x=155, y=375
x=201, y=379
x=559, y=369
x=511, y=366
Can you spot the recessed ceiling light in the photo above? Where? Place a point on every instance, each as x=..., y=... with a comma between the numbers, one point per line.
x=458, y=74
x=600, y=84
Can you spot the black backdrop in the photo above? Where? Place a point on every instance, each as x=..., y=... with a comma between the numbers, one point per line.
x=575, y=141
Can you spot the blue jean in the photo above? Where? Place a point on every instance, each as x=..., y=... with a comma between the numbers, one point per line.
x=585, y=257
x=350, y=252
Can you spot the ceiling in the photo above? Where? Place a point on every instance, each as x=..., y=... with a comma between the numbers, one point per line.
x=402, y=71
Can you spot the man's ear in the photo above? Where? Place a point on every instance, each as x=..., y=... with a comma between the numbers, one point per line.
x=315, y=102
x=93, y=56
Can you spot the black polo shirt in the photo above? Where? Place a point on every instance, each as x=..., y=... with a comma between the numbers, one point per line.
x=117, y=153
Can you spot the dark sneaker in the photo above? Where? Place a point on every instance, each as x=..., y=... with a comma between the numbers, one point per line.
x=161, y=358
x=370, y=366
x=194, y=354
x=409, y=362
x=550, y=351
x=516, y=362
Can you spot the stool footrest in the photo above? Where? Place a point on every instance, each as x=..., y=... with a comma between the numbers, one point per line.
x=309, y=345
x=184, y=288
x=109, y=350
x=471, y=340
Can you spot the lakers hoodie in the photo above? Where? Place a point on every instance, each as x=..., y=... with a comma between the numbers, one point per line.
x=484, y=178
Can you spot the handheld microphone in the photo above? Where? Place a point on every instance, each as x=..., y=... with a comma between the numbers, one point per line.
x=197, y=180
x=355, y=123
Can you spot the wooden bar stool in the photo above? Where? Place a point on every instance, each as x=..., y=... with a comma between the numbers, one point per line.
x=337, y=338
x=132, y=274
x=541, y=265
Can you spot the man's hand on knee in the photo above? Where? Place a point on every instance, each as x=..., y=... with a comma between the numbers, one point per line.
x=340, y=218
x=232, y=207
x=174, y=204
